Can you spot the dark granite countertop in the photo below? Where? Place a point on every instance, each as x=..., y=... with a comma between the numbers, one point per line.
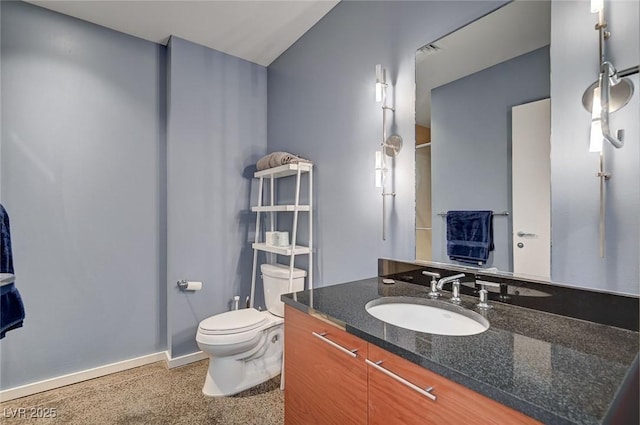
x=556, y=369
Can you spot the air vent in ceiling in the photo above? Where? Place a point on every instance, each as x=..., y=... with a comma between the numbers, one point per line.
x=429, y=49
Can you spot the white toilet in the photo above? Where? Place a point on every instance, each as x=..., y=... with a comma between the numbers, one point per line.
x=245, y=346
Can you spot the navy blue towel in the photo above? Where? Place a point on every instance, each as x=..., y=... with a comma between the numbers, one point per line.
x=469, y=236
x=6, y=259
x=11, y=309
x=11, y=306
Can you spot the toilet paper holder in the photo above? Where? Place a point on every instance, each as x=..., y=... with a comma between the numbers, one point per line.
x=185, y=285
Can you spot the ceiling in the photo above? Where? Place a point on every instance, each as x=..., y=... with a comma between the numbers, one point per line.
x=256, y=30
x=513, y=30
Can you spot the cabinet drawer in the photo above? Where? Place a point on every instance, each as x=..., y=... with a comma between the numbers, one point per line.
x=395, y=402
x=325, y=381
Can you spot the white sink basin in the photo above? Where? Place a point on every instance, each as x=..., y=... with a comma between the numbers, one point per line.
x=426, y=315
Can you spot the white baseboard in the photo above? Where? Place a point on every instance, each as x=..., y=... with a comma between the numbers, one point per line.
x=74, y=378
x=184, y=360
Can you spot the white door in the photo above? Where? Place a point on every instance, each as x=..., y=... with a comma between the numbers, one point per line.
x=531, y=188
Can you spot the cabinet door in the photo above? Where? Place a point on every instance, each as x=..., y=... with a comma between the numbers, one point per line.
x=323, y=383
x=394, y=402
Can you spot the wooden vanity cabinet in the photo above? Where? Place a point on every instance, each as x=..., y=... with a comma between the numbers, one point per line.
x=395, y=402
x=325, y=382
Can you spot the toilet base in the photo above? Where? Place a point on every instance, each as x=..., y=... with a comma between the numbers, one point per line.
x=228, y=376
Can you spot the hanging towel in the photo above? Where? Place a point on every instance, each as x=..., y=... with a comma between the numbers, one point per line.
x=276, y=159
x=469, y=236
x=11, y=306
x=6, y=259
x=11, y=309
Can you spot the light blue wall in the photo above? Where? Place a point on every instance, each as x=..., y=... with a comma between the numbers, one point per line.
x=321, y=105
x=94, y=198
x=217, y=130
x=471, y=153
x=82, y=145
x=575, y=188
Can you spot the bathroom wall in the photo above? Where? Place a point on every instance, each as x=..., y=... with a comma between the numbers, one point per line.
x=472, y=158
x=575, y=188
x=217, y=130
x=120, y=181
x=321, y=105
x=82, y=152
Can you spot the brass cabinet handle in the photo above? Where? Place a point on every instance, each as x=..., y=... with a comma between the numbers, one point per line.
x=322, y=337
x=426, y=392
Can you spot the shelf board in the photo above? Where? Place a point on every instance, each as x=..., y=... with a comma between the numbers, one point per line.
x=281, y=250
x=279, y=208
x=284, y=170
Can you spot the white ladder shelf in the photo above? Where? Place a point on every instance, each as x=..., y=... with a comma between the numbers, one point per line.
x=294, y=249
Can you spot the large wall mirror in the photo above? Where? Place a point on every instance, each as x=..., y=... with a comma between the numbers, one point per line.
x=483, y=142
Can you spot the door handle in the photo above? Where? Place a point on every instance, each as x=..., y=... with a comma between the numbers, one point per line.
x=525, y=234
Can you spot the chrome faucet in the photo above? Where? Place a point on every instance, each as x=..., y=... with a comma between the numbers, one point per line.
x=434, y=293
x=455, y=286
x=484, y=294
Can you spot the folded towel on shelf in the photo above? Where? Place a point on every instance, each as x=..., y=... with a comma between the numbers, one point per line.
x=275, y=159
x=11, y=306
x=469, y=236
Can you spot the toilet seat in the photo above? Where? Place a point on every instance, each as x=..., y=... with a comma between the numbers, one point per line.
x=233, y=322
x=244, y=328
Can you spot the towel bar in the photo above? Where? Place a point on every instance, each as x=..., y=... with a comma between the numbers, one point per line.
x=505, y=213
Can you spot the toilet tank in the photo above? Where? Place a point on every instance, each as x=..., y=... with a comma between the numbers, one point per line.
x=275, y=281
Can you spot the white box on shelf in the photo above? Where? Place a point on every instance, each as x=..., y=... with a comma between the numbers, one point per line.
x=282, y=239
x=270, y=238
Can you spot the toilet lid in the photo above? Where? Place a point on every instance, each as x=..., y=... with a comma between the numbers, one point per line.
x=233, y=321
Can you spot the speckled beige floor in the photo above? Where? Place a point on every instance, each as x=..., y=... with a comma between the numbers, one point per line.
x=149, y=394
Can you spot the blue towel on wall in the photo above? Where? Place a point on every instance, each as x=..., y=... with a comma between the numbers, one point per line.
x=11, y=309
x=11, y=306
x=6, y=259
x=469, y=236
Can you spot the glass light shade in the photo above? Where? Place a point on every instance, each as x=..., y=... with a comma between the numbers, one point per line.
x=378, y=92
x=379, y=82
x=378, y=179
x=595, y=140
x=378, y=169
x=596, y=5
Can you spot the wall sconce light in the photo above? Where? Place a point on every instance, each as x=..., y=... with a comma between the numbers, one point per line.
x=390, y=146
x=609, y=93
x=605, y=96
